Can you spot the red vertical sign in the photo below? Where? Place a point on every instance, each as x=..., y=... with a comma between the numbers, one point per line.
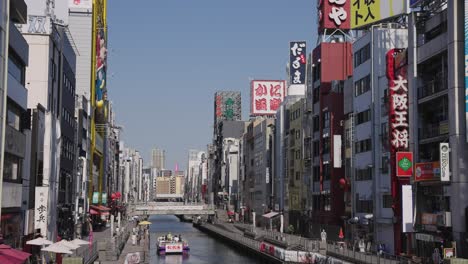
x=404, y=164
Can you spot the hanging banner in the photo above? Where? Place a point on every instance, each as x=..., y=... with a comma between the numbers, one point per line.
x=404, y=161
x=444, y=152
x=297, y=62
x=41, y=209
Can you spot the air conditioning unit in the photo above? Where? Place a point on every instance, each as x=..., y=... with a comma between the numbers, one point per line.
x=444, y=219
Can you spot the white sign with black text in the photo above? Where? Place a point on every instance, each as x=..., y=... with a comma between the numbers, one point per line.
x=444, y=162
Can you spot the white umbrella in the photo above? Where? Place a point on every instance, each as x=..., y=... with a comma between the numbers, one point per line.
x=68, y=244
x=79, y=242
x=40, y=241
x=57, y=248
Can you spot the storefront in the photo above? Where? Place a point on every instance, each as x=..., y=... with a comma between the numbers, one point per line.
x=11, y=224
x=99, y=215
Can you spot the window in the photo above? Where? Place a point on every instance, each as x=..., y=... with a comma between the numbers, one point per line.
x=298, y=175
x=316, y=148
x=316, y=173
x=327, y=203
x=361, y=86
x=16, y=68
x=326, y=145
x=384, y=136
x=363, y=117
x=316, y=95
x=316, y=72
x=12, y=168
x=387, y=201
x=316, y=123
x=298, y=154
x=362, y=55
x=326, y=119
x=363, y=145
x=384, y=105
x=348, y=137
x=316, y=204
x=13, y=117
x=326, y=172
x=364, y=206
x=364, y=174
x=385, y=167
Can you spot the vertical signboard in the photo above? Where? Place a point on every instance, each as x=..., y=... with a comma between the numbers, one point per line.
x=407, y=208
x=266, y=97
x=337, y=151
x=41, y=209
x=466, y=67
x=297, y=62
x=227, y=106
x=444, y=152
x=404, y=162
x=333, y=14
x=370, y=12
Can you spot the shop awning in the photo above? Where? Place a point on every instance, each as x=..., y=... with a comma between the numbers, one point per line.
x=10, y=255
x=271, y=214
x=100, y=208
x=93, y=212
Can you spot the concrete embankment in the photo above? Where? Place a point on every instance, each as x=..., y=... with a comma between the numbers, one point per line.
x=264, y=248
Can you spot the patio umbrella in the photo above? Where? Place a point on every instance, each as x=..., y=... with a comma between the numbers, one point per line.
x=79, y=242
x=40, y=241
x=12, y=255
x=144, y=223
x=57, y=248
x=68, y=244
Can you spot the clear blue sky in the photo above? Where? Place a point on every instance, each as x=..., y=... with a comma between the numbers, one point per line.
x=168, y=57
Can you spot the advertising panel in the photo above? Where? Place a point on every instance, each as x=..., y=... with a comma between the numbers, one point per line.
x=172, y=248
x=444, y=152
x=227, y=106
x=404, y=161
x=407, y=208
x=337, y=151
x=85, y=4
x=368, y=12
x=466, y=67
x=333, y=14
x=428, y=219
x=426, y=171
x=132, y=258
x=297, y=62
x=41, y=209
x=266, y=96
x=95, y=197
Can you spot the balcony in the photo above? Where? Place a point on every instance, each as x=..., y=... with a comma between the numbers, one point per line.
x=434, y=130
x=434, y=86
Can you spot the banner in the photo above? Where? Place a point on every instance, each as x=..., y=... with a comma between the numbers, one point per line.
x=41, y=211
x=370, y=12
x=297, y=62
x=407, y=208
x=444, y=152
x=427, y=171
x=404, y=161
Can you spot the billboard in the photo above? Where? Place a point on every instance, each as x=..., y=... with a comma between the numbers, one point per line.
x=297, y=62
x=426, y=171
x=466, y=67
x=41, y=209
x=407, y=208
x=85, y=4
x=444, y=152
x=227, y=106
x=266, y=96
x=333, y=14
x=369, y=12
x=404, y=161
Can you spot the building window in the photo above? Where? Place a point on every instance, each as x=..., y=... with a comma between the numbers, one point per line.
x=364, y=206
x=316, y=148
x=316, y=95
x=362, y=55
x=363, y=145
x=348, y=137
x=326, y=145
x=316, y=205
x=16, y=68
x=12, y=168
x=298, y=175
x=384, y=136
x=361, y=86
x=326, y=172
x=385, y=165
x=14, y=117
x=364, y=174
x=316, y=173
x=326, y=119
x=387, y=201
x=316, y=123
x=364, y=116
x=327, y=203
x=298, y=154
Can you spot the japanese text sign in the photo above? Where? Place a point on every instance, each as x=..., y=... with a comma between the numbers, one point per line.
x=173, y=248
x=266, y=96
x=333, y=14
x=427, y=171
x=297, y=62
x=404, y=162
x=41, y=205
x=364, y=12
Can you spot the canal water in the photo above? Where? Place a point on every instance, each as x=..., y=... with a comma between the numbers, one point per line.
x=203, y=248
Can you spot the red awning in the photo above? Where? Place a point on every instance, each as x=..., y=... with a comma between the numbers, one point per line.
x=103, y=208
x=93, y=212
x=14, y=256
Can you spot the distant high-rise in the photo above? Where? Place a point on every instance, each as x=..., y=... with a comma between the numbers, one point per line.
x=158, y=158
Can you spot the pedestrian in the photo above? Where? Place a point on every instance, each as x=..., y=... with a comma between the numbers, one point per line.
x=138, y=239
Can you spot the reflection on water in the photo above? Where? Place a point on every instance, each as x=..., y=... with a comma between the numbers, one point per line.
x=203, y=248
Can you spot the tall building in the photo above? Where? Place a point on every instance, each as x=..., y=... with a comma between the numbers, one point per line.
x=16, y=138
x=158, y=159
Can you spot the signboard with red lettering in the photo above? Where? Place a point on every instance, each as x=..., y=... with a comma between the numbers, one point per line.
x=333, y=14
x=173, y=248
x=404, y=162
x=266, y=96
x=427, y=171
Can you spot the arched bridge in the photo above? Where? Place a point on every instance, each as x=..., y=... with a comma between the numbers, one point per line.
x=160, y=208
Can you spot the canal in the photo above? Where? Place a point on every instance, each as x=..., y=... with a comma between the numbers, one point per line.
x=203, y=248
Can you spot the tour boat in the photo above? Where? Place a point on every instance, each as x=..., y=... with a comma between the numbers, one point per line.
x=172, y=245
